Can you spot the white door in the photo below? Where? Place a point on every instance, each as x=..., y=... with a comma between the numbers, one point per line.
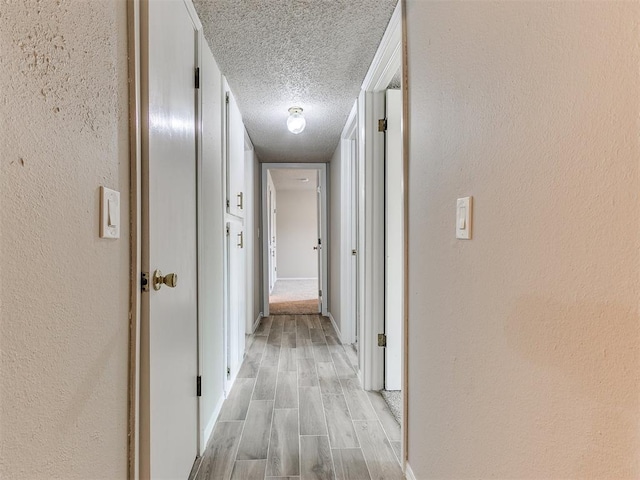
x=234, y=338
x=169, y=402
x=235, y=158
x=394, y=241
x=272, y=238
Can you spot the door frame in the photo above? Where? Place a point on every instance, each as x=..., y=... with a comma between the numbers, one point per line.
x=137, y=27
x=390, y=56
x=348, y=281
x=322, y=172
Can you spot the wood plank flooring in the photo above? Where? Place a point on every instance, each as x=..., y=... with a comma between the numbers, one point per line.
x=296, y=411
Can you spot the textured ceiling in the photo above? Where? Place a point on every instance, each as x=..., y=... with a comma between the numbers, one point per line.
x=308, y=53
x=291, y=179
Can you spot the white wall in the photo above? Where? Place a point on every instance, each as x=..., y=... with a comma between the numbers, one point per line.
x=64, y=326
x=297, y=233
x=523, y=342
x=211, y=254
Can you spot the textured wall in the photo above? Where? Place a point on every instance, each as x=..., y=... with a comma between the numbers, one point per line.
x=524, y=342
x=297, y=233
x=65, y=292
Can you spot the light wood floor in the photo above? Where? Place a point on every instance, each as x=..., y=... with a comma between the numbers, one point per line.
x=296, y=411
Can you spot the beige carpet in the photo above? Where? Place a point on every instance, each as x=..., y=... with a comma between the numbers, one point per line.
x=298, y=307
x=294, y=297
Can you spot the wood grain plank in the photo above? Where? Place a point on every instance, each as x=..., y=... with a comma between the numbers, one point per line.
x=388, y=421
x=304, y=348
x=250, y=367
x=284, y=454
x=317, y=336
x=328, y=379
x=249, y=470
x=357, y=400
x=341, y=432
x=350, y=464
x=307, y=376
x=254, y=444
x=332, y=339
x=236, y=405
x=321, y=353
x=265, y=384
x=312, y=420
x=343, y=367
x=264, y=327
x=219, y=457
x=315, y=458
x=288, y=360
x=271, y=356
x=289, y=339
x=287, y=390
x=377, y=451
x=289, y=325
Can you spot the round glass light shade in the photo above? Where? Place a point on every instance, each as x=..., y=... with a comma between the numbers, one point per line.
x=296, y=122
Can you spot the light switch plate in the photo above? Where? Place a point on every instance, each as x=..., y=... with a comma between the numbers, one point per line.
x=463, y=218
x=109, y=213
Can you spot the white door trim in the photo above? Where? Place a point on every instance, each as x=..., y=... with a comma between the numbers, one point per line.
x=347, y=320
x=322, y=172
x=387, y=61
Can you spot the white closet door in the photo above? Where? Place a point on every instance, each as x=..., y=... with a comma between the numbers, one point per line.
x=235, y=158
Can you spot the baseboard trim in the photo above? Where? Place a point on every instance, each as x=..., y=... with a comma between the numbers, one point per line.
x=298, y=278
x=409, y=473
x=256, y=323
x=335, y=327
x=208, y=431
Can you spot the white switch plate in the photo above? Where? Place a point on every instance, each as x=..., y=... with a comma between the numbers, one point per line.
x=109, y=213
x=463, y=218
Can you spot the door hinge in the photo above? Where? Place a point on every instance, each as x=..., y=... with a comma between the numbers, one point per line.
x=226, y=97
x=228, y=372
x=320, y=293
x=144, y=282
x=199, y=386
x=382, y=125
x=319, y=241
x=197, y=77
x=382, y=340
x=228, y=231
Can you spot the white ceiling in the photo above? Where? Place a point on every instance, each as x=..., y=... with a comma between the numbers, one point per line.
x=282, y=53
x=290, y=179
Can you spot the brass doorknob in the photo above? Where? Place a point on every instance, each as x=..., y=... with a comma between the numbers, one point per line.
x=170, y=280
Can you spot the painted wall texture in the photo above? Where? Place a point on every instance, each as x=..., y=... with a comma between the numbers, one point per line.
x=65, y=292
x=524, y=345
x=297, y=233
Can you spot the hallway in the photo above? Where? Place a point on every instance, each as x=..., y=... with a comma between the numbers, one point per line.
x=296, y=410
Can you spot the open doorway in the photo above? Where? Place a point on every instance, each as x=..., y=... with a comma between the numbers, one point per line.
x=293, y=241
x=294, y=222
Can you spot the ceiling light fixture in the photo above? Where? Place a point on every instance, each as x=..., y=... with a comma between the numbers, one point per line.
x=296, y=122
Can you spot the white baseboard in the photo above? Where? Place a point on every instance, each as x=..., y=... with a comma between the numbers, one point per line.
x=208, y=431
x=298, y=278
x=409, y=473
x=335, y=327
x=256, y=323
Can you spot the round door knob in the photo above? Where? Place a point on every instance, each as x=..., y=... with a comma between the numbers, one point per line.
x=170, y=280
